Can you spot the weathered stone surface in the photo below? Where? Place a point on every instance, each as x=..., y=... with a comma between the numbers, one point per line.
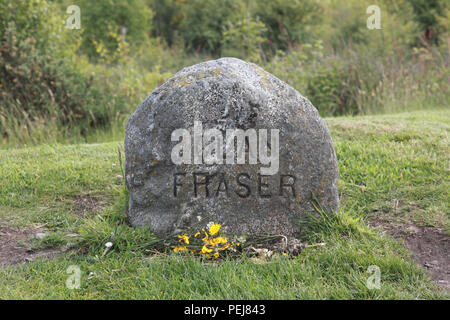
x=226, y=94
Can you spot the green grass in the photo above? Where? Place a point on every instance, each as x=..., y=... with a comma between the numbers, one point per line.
x=394, y=166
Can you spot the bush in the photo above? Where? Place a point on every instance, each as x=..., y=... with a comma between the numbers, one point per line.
x=102, y=21
x=166, y=21
x=37, y=84
x=428, y=14
x=288, y=21
x=329, y=92
x=33, y=84
x=56, y=80
x=201, y=23
x=330, y=83
x=244, y=39
x=31, y=18
x=360, y=80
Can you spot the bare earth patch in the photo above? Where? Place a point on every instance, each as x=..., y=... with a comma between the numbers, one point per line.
x=15, y=243
x=14, y=248
x=430, y=247
x=86, y=204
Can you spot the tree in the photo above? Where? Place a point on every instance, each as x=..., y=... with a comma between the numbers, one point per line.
x=427, y=14
x=287, y=21
x=103, y=19
x=202, y=22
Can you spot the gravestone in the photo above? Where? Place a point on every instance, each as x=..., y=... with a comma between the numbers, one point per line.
x=225, y=141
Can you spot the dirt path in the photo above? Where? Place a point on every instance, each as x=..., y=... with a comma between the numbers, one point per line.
x=14, y=246
x=430, y=247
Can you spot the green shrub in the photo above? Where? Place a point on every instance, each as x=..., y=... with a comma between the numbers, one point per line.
x=360, y=80
x=201, y=23
x=428, y=14
x=39, y=81
x=73, y=83
x=166, y=20
x=244, y=39
x=288, y=21
x=34, y=84
x=102, y=22
x=326, y=90
x=31, y=18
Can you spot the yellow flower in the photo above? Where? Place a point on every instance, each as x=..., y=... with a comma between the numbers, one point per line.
x=219, y=240
x=185, y=238
x=206, y=236
x=205, y=250
x=226, y=246
x=179, y=248
x=215, y=227
x=216, y=254
x=197, y=234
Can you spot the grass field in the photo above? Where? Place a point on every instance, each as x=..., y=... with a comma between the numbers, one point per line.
x=393, y=171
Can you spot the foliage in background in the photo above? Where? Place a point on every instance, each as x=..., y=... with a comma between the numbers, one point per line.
x=58, y=84
x=367, y=71
x=288, y=22
x=38, y=84
x=30, y=18
x=166, y=21
x=48, y=90
x=244, y=39
x=201, y=23
x=429, y=14
x=102, y=22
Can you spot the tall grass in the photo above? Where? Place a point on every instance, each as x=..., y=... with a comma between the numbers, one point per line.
x=363, y=80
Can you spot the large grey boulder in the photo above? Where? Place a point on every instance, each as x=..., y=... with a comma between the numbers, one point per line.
x=227, y=93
